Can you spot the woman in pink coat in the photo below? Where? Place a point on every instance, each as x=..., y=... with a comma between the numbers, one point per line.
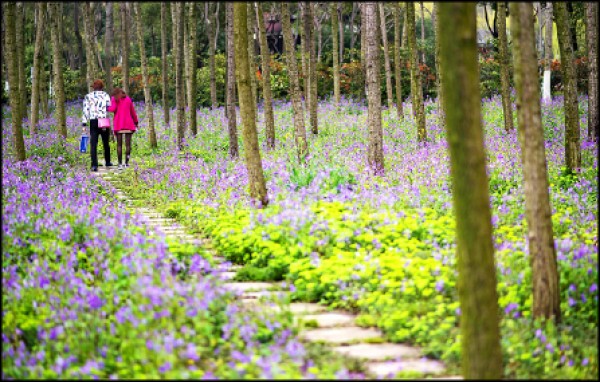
x=125, y=122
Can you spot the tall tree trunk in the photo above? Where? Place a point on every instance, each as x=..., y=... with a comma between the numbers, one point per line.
x=398, y=61
x=591, y=11
x=44, y=80
x=415, y=74
x=145, y=77
x=211, y=54
x=504, y=62
x=312, y=63
x=186, y=58
x=266, y=77
x=11, y=60
x=40, y=9
x=179, y=64
x=192, y=84
x=59, y=89
x=336, y=53
x=19, y=21
x=80, y=49
x=546, y=286
x=479, y=321
x=231, y=115
x=571, y=105
x=165, y=67
x=363, y=49
x=422, y=34
x=386, y=54
x=100, y=65
x=340, y=15
x=290, y=54
x=125, y=46
x=404, y=31
x=438, y=77
x=304, y=54
x=108, y=37
x=256, y=179
x=88, y=30
x=547, y=93
x=355, y=10
x=251, y=58
x=174, y=29
x=376, y=161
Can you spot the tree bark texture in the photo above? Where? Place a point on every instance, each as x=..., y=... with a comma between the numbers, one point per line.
x=547, y=92
x=438, y=77
x=290, y=54
x=312, y=66
x=591, y=12
x=192, y=62
x=90, y=57
x=211, y=56
x=336, y=53
x=251, y=58
x=398, y=61
x=266, y=78
x=479, y=321
x=386, y=54
x=571, y=105
x=145, y=77
x=256, y=179
x=125, y=25
x=422, y=50
x=179, y=64
x=40, y=8
x=415, y=74
x=11, y=62
x=375, y=159
x=108, y=37
x=165, y=67
x=304, y=54
x=504, y=62
x=231, y=115
x=59, y=89
x=19, y=21
x=363, y=45
x=546, y=286
x=80, y=45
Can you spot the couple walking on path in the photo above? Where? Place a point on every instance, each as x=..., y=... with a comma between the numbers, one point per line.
x=96, y=106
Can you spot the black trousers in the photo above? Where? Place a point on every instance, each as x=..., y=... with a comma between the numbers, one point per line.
x=105, y=134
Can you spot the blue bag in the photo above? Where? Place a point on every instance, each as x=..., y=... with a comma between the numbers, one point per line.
x=83, y=143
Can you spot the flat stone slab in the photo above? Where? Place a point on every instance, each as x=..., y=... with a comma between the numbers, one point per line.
x=329, y=319
x=306, y=308
x=270, y=295
x=390, y=369
x=248, y=286
x=378, y=352
x=340, y=335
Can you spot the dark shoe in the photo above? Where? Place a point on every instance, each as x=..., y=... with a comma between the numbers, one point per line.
x=95, y=168
x=109, y=164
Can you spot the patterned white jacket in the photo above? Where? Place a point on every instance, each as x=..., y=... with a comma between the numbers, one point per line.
x=94, y=105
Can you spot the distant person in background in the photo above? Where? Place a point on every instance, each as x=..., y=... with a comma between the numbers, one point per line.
x=125, y=123
x=95, y=106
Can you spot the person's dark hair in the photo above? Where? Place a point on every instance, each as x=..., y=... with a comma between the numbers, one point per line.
x=117, y=92
x=98, y=85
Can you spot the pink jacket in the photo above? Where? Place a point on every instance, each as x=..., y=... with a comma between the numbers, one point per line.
x=125, y=116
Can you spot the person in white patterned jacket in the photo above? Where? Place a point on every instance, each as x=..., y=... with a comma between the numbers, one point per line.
x=95, y=104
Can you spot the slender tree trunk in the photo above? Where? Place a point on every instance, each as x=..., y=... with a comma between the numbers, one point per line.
x=145, y=77
x=547, y=93
x=591, y=11
x=44, y=80
x=266, y=77
x=186, y=58
x=546, y=286
x=336, y=53
x=231, y=115
x=256, y=179
x=422, y=34
x=504, y=62
x=100, y=65
x=59, y=89
x=88, y=30
x=125, y=46
x=363, y=45
x=312, y=63
x=438, y=77
x=211, y=54
x=40, y=9
x=386, y=54
x=163, y=54
x=174, y=29
x=355, y=10
x=251, y=58
x=398, y=61
x=340, y=15
x=11, y=61
x=404, y=31
x=80, y=49
x=572, y=145
x=179, y=64
x=376, y=160
x=479, y=321
x=19, y=20
x=108, y=37
x=415, y=74
x=192, y=84
x=290, y=54
x=304, y=54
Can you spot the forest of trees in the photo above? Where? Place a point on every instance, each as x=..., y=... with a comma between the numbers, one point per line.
x=188, y=55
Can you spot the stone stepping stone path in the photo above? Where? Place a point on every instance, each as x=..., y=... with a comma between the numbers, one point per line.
x=317, y=322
